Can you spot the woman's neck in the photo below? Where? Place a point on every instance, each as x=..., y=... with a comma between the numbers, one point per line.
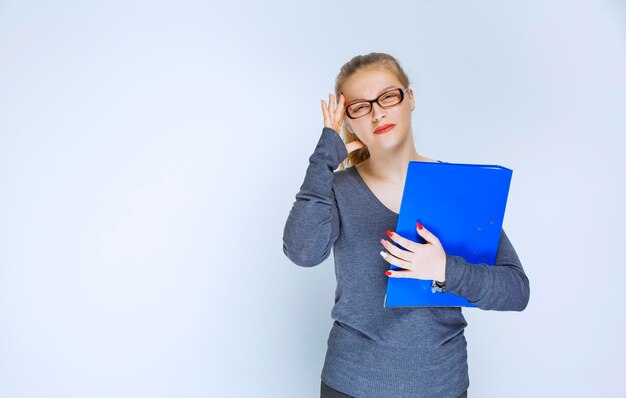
x=392, y=165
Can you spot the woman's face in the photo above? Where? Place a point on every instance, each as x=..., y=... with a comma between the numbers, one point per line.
x=368, y=85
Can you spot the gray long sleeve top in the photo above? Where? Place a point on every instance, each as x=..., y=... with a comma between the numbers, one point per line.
x=375, y=351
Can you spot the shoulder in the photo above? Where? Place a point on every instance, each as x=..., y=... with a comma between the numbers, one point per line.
x=344, y=177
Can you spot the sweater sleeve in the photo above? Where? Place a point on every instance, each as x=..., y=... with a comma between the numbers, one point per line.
x=312, y=226
x=501, y=287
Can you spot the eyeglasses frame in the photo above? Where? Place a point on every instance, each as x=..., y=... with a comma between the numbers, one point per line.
x=371, y=102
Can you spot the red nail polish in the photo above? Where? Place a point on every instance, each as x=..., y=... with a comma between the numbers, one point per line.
x=388, y=273
x=419, y=225
x=389, y=233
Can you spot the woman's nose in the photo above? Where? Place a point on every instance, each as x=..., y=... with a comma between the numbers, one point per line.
x=377, y=112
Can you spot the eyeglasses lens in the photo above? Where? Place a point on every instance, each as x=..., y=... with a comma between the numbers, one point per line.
x=390, y=98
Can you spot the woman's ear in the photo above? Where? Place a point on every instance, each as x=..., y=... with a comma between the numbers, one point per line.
x=411, y=99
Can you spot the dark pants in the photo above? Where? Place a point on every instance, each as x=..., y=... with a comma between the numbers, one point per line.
x=328, y=392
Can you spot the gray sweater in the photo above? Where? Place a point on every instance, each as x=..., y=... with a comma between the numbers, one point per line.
x=375, y=351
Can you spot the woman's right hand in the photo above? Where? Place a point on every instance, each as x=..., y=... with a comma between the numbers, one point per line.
x=334, y=117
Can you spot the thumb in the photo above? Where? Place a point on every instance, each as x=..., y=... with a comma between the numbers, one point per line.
x=354, y=145
x=426, y=234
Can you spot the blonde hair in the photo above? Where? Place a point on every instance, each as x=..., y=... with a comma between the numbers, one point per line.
x=358, y=63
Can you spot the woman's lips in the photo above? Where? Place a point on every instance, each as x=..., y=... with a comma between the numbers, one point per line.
x=384, y=129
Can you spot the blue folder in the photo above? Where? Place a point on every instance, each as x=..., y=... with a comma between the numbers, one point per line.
x=461, y=204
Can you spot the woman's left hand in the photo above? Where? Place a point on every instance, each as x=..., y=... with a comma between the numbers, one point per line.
x=420, y=261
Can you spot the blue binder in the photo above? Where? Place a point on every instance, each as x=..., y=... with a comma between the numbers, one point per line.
x=461, y=204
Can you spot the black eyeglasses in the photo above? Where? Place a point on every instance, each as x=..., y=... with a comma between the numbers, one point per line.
x=385, y=100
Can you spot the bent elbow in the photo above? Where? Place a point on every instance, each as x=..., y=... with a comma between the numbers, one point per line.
x=514, y=297
x=303, y=258
x=525, y=295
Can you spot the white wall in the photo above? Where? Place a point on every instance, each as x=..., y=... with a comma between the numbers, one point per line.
x=150, y=153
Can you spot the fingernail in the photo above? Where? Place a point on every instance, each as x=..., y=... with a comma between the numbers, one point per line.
x=388, y=273
x=419, y=225
x=382, y=241
x=383, y=254
x=389, y=233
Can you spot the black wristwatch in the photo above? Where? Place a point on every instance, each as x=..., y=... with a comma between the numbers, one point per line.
x=438, y=287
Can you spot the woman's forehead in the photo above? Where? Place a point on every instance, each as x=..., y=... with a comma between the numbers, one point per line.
x=369, y=84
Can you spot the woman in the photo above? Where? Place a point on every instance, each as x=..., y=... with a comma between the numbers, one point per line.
x=375, y=351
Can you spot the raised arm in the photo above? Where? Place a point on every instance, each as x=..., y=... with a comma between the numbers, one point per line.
x=501, y=287
x=313, y=223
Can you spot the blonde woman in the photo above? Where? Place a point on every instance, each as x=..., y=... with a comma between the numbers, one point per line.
x=375, y=351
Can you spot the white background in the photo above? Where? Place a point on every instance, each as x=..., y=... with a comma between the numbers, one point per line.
x=150, y=153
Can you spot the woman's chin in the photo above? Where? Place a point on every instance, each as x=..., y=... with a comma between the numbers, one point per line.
x=388, y=143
